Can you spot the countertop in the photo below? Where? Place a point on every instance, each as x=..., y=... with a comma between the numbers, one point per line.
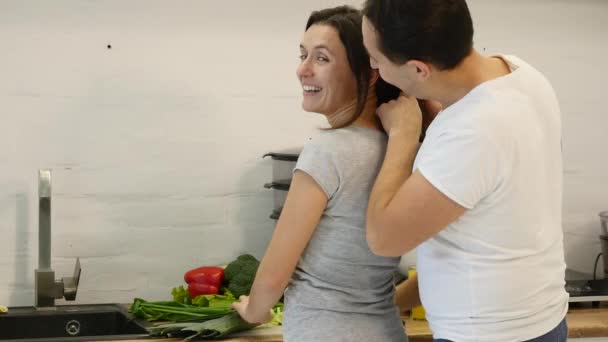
x=586, y=321
x=583, y=321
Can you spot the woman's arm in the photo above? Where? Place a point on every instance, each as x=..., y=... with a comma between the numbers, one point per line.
x=407, y=296
x=301, y=214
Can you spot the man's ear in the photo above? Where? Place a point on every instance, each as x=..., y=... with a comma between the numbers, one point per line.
x=373, y=77
x=423, y=70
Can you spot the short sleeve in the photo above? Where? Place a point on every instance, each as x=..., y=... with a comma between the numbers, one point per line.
x=317, y=161
x=463, y=165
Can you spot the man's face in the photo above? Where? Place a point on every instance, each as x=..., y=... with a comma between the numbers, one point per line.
x=402, y=76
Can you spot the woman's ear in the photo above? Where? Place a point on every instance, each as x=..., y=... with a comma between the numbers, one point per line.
x=373, y=77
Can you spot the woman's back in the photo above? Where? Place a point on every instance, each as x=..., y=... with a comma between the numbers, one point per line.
x=338, y=277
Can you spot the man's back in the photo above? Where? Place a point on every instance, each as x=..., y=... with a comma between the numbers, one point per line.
x=496, y=273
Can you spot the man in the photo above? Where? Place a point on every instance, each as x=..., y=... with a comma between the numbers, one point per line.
x=483, y=202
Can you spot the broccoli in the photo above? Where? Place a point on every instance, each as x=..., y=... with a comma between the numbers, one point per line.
x=239, y=275
x=247, y=257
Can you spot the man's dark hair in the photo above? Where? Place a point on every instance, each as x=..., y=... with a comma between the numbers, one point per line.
x=439, y=32
x=347, y=21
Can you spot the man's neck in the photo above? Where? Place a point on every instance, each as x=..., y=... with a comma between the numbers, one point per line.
x=475, y=69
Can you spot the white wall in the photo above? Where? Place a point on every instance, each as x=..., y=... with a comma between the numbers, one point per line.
x=156, y=143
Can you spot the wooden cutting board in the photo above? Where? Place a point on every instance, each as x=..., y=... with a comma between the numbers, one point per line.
x=273, y=334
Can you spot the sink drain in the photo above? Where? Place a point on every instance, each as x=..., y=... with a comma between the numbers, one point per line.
x=72, y=328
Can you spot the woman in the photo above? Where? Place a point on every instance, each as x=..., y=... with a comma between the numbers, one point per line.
x=337, y=290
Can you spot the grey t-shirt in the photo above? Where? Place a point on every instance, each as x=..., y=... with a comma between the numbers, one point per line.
x=337, y=272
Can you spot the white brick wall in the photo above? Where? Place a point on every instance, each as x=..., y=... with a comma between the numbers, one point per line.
x=156, y=143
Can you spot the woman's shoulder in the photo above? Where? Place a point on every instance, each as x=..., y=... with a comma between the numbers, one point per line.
x=321, y=144
x=349, y=134
x=351, y=142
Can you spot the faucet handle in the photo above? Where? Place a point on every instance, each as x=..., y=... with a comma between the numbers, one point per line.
x=71, y=283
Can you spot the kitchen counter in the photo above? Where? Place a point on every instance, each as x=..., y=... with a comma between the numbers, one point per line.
x=586, y=321
x=583, y=321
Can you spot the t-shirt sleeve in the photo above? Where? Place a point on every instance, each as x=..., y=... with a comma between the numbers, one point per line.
x=317, y=161
x=464, y=166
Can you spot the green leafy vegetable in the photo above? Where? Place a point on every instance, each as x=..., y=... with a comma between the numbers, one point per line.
x=173, y=311
x=181, y=295
x=214, y=328
x=214, y=301
x=277, y=316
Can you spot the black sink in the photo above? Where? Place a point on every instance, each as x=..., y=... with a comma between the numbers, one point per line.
x=71, y=323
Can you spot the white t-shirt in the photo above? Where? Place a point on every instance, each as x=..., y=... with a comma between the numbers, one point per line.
x=497, y=273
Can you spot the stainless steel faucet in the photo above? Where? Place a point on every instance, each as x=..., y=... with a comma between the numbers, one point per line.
x=47, y=289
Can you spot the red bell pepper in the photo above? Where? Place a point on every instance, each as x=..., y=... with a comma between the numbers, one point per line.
x=211, y=275
x=197, y=289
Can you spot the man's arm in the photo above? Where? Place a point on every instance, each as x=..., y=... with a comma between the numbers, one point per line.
x=404, y=209
x=406, y=295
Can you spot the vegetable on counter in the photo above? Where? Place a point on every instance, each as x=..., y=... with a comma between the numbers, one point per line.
x=214, y=328
x=204, y=280
x=212, y=275
x=181, y=295
x=277, y=316
x=203, y=309
x=239, y=275
x=197, y=289
x=174, y=311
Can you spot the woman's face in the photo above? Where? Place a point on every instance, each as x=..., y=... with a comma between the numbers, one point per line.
x=327, y=81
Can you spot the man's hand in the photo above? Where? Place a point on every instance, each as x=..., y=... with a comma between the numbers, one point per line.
x=401, y=116
x=407, y=295
x=242, y=307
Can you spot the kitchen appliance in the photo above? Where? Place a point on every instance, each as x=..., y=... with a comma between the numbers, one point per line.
x=587, y=290
x=604, y=239
x=604, y=222
x=604, y=243
x=593, y=290
x=283, y=164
